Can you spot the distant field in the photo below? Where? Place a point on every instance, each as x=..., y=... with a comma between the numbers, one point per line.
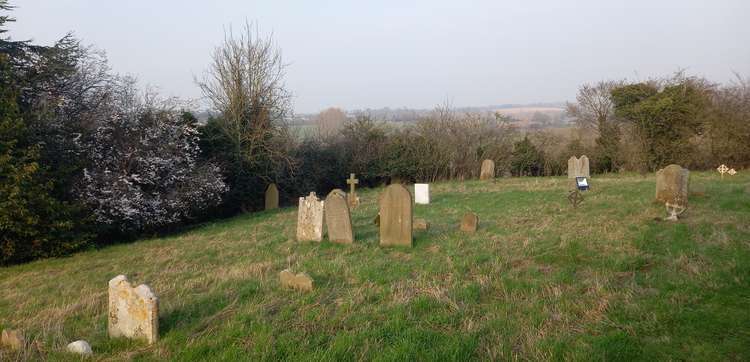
x=538, y=281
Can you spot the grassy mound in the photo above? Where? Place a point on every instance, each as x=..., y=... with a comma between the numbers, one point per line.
x=539, y=280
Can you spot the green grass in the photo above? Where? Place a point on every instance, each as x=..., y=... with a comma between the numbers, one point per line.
x=538, y=281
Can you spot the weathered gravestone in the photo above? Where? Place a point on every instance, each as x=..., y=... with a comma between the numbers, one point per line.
x=672, y=185
x=488, y=170
x=133, y=312
x=470, y=222
x=300, y=281
x=310, y=218
x=338, y=218
x=396, y=216
x=80, y=347
x=272, y=197
x=578, y=167
x=422, y=194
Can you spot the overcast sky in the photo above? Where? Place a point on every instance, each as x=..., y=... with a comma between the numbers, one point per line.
x=415, y=54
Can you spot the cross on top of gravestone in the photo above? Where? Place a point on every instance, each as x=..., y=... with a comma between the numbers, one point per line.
x=722, y=169
x=352, y=190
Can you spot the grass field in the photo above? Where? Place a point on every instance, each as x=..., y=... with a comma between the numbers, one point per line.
x=538, y=281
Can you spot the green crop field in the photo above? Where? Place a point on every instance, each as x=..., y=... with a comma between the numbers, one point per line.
x=538, y=281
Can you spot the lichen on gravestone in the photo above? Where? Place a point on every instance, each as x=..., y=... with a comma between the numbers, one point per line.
x=133, y=312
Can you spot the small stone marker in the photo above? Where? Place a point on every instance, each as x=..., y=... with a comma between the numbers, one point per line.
x=470, y=222
x=80, y=347
x=732, y=172
x=672, y=185
x=396, y=216
x=338, y=218
x=272, y=197
x=300, y=281
x=310, y=218
x=487, y=171
x=421, y=224
x=578, y=167
x=422, y=194
x=12, y=339
x=353, y=199
x=133, y=312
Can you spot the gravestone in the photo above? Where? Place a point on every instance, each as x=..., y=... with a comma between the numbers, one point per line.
x=672, y=185
x=470, y=222
x=353, y=199
x=488, y=170
x=583, y=170
x=272, y=197
x=299, y=281
x=396, y=216
x=133, y=312
x=338, y=218
x=422, y=194
x=310, y=218
x=578, y=167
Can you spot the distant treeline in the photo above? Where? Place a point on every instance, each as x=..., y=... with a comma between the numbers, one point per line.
x=87, y=158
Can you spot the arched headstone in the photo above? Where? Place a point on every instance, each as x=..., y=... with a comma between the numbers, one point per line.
x=583, y=168
x=338, y=218
x=396, y=216
x=272, y=197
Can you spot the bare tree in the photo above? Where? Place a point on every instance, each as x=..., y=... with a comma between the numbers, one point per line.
x=245, y=82
x=330, y=121
x=594, y=110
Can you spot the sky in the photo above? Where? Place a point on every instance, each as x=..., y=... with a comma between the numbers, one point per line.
x=415, y=54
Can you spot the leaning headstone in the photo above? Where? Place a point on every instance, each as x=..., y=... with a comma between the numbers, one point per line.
x=272, y=197
x=300, y=281
x=470, y=222
x=133, y=312
x=12, y=339
x=672, y=185
x=310, y=218
x=396, y=216
x=338, y=218
x=422, y=194
x=488, y=170
x=80, y=347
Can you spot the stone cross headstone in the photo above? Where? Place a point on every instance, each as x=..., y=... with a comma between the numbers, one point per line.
x=352, y=190
x=396, y=216
x=133, y=312
x=487, y=171
x=338, y=218
x=578, y=167
x=422, y=194
x=272, y=197
x=310, y=218
x=722, y=169
x=672, y=185
x=470, y=222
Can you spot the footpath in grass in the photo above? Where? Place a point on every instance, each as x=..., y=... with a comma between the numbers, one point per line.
x=538, y=281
